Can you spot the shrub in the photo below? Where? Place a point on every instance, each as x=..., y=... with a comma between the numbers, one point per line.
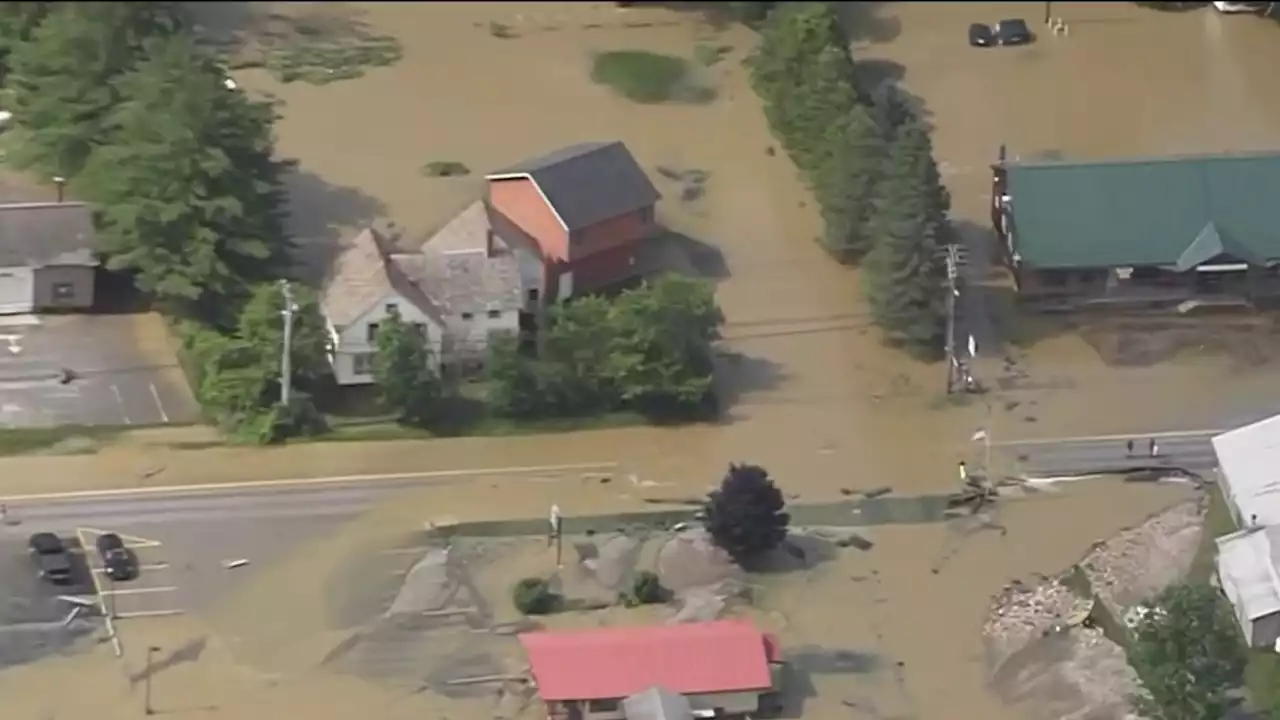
x=645, y=589
x=534, y=596
x=640, y=76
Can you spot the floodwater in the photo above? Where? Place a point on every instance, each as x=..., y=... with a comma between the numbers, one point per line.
x=815, y=398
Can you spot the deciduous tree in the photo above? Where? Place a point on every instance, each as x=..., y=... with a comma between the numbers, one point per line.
x=745, y=516
x=188, y=193
x=905, y=272
x=660, y=354
x=405, y=373
x=1188, y=654
x=261, y=325
x=61, y=80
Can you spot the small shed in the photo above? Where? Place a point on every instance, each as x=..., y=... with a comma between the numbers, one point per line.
x=1248, y=564
x=657, y=704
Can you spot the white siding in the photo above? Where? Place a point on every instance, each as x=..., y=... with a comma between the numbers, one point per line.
x=353, y=340
x=1248, y=576
x=730, y=703
x=469, y=335
x=1249, y=471
x=17, y=290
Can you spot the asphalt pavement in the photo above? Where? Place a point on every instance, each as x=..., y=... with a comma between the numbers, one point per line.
x=1188, y=451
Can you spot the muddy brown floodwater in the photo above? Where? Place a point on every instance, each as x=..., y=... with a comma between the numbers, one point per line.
x=815, y=398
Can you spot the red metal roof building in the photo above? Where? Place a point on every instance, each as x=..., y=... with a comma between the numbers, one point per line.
x=725, y=656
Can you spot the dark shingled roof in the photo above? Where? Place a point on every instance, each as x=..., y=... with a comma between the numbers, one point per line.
x=40, y=234
x=588, y=183
x=1178, y=211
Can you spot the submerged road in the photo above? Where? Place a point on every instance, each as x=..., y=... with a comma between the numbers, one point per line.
x=1191, y=451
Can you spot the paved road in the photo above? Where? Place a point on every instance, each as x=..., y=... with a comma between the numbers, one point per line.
x=1191, y=451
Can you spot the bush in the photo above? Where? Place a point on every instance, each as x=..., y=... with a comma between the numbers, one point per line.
x=534, y=596
x=645, y=589
x=640, y=76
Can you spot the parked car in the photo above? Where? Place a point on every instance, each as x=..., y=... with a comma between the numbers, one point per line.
x=51, y=557
x=1013, y=32
x=118, y=561
x=980, y=35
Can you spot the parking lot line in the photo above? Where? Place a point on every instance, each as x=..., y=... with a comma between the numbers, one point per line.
x=157, y=566
x=130, y=541
x=120, y=402
x=151, y=613
x=155, y=395
x=140, y=591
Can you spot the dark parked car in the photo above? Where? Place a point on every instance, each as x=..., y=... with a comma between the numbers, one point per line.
x=119, y=562
x=1013, y=32
x=51, y=557
x=980, y=35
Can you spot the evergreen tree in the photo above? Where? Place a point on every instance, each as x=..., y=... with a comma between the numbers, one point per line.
x=61, y=80
x=18, y=20
x=189, y=199
x=746, y=516
x=905, y=273
x=845, y=183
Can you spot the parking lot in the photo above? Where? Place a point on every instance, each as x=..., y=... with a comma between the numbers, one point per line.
x=122, y=372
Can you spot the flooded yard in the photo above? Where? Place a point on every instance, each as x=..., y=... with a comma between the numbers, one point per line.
x=816, y=399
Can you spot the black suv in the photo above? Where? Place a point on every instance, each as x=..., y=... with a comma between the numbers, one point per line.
x=119, y=562
x=51, y=557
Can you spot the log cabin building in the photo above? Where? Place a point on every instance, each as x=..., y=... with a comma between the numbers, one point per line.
x=1177, y=232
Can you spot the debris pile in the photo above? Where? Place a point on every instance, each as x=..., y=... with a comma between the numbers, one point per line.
x=1141, y=561
x=1023, y=612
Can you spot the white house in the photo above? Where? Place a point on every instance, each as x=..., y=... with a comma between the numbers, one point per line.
x=462, y=286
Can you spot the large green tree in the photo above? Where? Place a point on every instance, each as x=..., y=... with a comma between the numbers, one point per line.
x=649, y=349
x=61, y=80
x=661, y=351
x=261, y=325
x=403, y=369
x=18, y=20
x=904, y=274
x=188, y=193
x=1189, y=655
x=844, y=183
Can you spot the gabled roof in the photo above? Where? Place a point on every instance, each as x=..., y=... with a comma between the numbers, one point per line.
x=365, y=272
x=1249, y=464
x=587, y=183
x=616, y=662
x=40, y=234
x=1177, y=211
x=458, y=273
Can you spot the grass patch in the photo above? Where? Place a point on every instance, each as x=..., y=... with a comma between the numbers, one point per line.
x=76, y=439
x=708, y=55
x=445, y=169
x=483, y=427
x=1217, y=522
x=648, y=78
x=313, y=50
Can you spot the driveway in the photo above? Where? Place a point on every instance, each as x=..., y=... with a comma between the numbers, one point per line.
x=124, y=372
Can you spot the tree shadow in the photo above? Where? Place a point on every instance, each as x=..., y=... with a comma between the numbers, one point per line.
x=988, y=306
x=799, y=552
x=321, y=217
x=864, y=22
x=796, y=688
x=738, y=375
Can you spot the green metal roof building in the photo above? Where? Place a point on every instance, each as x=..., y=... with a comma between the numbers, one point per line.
x=1177, y=212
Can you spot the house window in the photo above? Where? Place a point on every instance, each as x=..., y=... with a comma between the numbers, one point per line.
x=466, y=316
x=495, y=314
x=646, y=215
x=602, y=706
x=64, y=291
x=421, y=329
x=362, y=363
x=392, y=309
x=371, y=332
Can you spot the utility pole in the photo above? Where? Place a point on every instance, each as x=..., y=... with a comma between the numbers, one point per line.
x=1048, y=12
x=286, y=351
x=952, y=292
